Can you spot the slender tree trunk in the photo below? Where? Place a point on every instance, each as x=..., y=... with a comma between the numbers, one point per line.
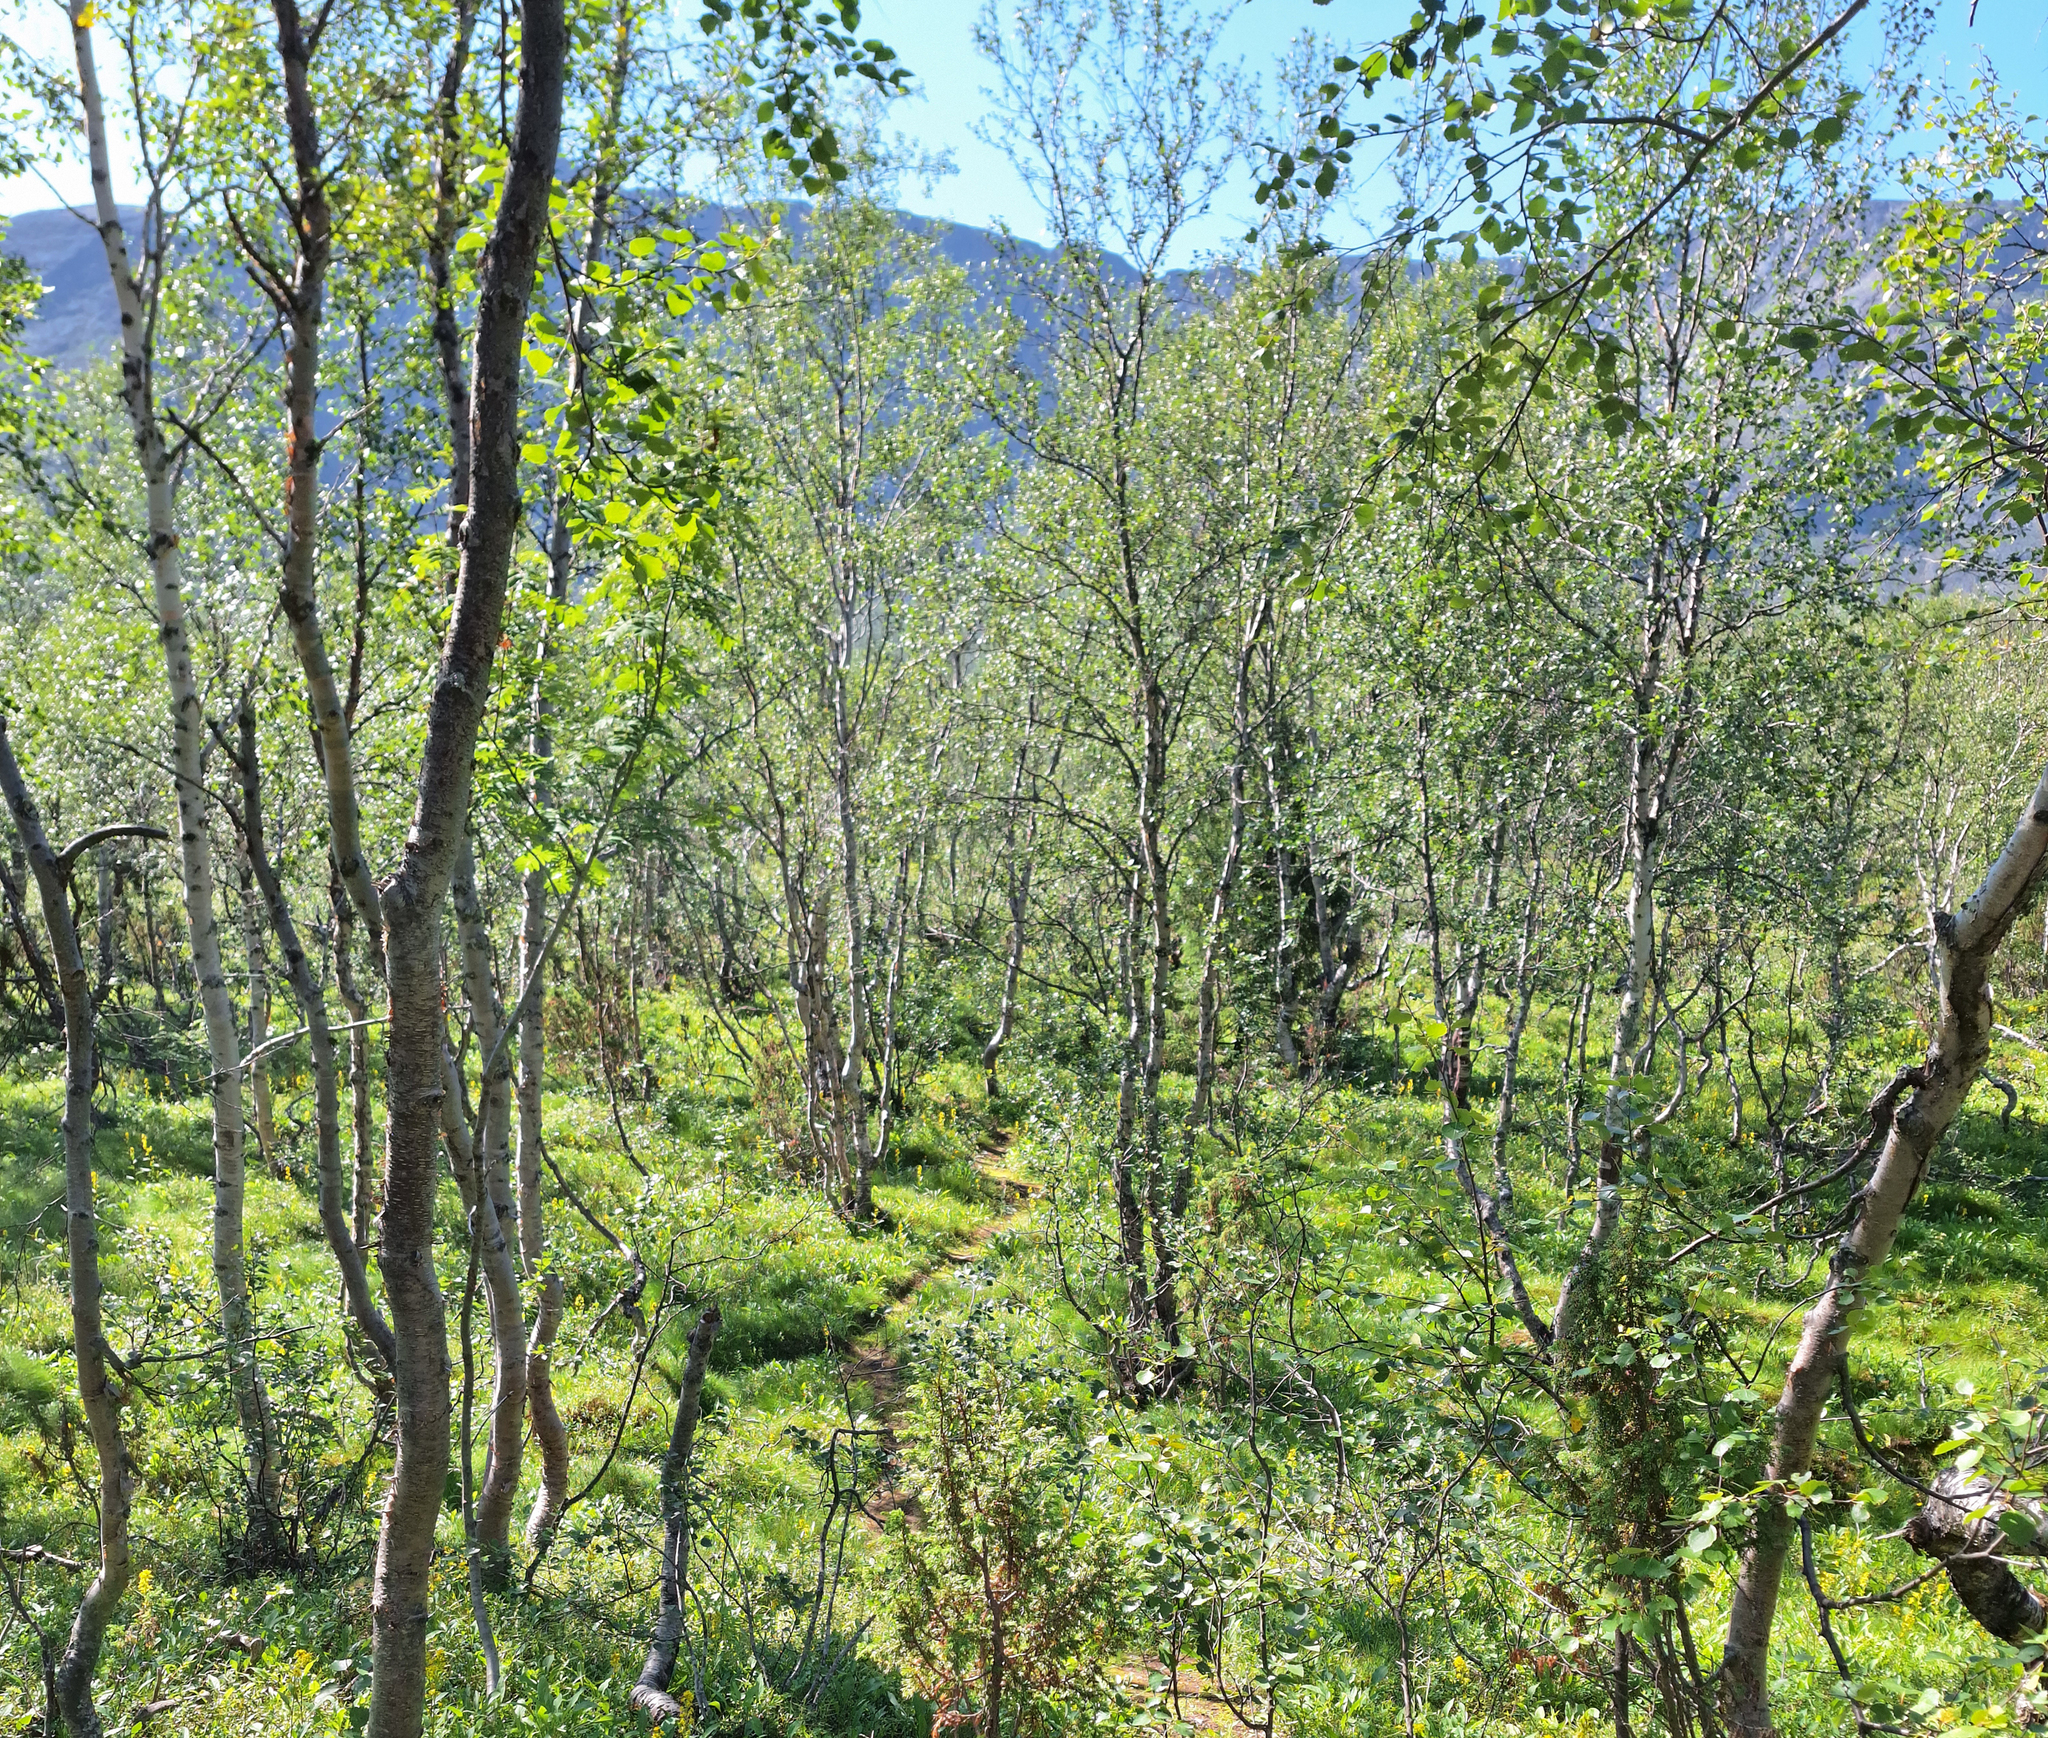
x=479, y=1607
x=550, y=1436
x=1013, y=964
x=1496, y=1209
x=14, y=881
x=811, y=991
x=1965, y=945
x=1283, y=934
x=1572, y=1080
x=998, y=1658
x=1208, y=999
x=413, y=898
x=362, y=1185
x=334, y=1217
x=457, y=382
x=1457, y=1001
x=1654, y=769
x=195, y=855
x=301, y=301
x=257, y=956
x=906, y=899
x=859, y=1200
x=1341, y=945
x=1019, y=902
x=495, y=1215
x=1123, y=1157
x=108, y=908
x=100, y=1400
x=651, y=1694
x=1158, y=875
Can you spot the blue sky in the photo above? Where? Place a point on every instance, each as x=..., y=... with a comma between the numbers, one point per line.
x=935, y=38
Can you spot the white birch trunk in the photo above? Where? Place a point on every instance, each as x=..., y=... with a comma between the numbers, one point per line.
x=195, y=854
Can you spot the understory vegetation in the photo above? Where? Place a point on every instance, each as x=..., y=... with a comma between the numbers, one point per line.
x=766, y=972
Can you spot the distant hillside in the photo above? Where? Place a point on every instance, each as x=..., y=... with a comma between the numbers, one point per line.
x=77, y=320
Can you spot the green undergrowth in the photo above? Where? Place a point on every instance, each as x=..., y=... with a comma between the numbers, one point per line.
x=1324, y=1227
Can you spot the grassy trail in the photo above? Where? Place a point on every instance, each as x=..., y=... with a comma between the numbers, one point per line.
x=874, y=1365
x=873, y=1362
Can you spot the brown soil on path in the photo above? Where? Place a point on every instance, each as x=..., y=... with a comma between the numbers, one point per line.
x=872, y=1360
x=1198, y=1703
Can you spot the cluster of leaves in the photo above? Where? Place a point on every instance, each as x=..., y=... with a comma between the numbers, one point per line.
x=786, y=50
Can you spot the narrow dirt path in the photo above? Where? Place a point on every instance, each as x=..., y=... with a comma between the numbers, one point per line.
x=1197, y=1704
x=872, y=1361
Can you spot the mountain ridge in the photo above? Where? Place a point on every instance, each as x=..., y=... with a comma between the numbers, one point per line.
x=77, y=321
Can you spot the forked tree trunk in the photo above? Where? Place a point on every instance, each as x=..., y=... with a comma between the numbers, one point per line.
x=1964, y=946
x=414, y=897
x=195, y=853
x=98, y=1397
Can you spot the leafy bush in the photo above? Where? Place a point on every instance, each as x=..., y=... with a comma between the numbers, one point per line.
x=1004, y=1596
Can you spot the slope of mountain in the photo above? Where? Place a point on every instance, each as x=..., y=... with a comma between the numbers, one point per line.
x=77, y=321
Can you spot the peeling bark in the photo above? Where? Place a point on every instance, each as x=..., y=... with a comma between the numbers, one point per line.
x=1975, y=1553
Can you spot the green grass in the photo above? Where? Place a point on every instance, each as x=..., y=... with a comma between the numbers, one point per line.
x=1348, y=1187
